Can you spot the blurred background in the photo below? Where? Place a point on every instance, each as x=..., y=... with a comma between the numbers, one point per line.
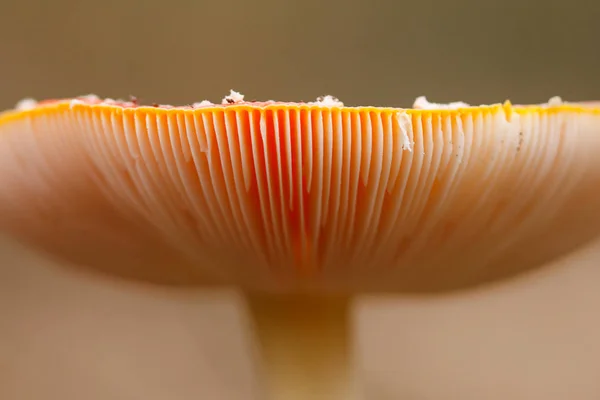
x=66, y=336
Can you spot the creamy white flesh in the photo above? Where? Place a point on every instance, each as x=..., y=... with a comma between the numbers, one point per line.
x=318, y=196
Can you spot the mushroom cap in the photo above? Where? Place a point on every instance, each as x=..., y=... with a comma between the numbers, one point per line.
x=299, y=197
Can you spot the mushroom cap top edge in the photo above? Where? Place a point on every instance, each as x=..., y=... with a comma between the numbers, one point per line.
x=29, y=107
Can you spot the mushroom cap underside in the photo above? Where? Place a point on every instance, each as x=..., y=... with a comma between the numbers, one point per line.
x=302, y=197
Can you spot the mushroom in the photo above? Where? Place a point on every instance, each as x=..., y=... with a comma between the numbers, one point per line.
x=303, y=206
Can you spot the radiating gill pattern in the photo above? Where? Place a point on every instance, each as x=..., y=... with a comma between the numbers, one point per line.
x=315, y=192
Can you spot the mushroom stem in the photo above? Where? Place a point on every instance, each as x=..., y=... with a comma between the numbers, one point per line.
x=305, y=346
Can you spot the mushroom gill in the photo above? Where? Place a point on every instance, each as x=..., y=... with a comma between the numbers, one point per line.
x=301, y=199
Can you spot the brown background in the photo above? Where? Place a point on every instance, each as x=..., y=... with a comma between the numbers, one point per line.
x=64, y=336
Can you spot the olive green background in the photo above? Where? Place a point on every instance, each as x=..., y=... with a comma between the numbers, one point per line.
x=65, y=336
x=371, y=52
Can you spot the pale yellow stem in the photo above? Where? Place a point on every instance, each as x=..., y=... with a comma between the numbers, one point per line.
x=305, y=346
